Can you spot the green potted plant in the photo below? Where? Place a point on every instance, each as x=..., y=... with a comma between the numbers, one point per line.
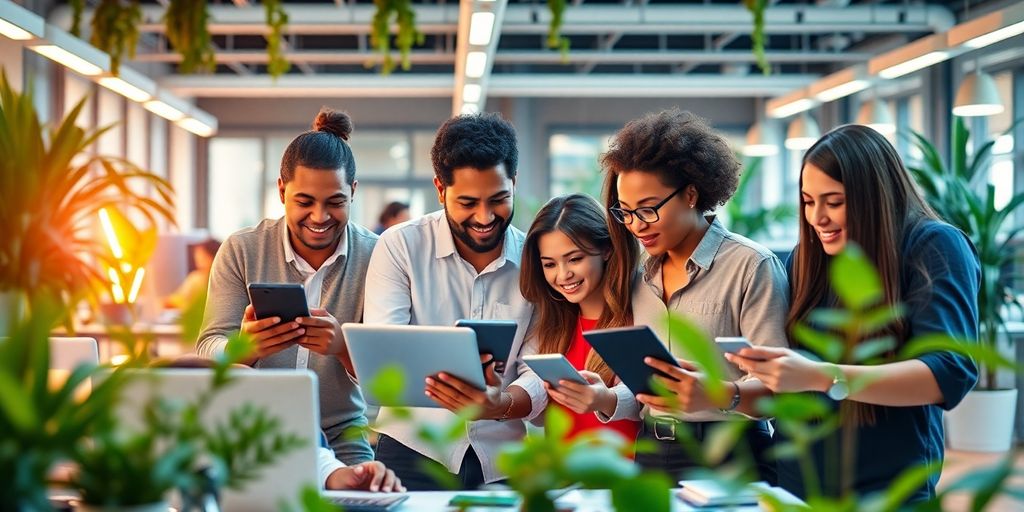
x=51, y=192
x=751, y=222
x=960, y=193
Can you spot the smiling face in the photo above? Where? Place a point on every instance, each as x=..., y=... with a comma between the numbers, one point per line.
x=571, y=271
x=824, y=203
x=638, y=189
x=478, y=205
x=316, y=205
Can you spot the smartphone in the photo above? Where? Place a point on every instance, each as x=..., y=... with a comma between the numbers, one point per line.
x=553, y=368
x=476, y=500
x=733, y=344
x=284, y=300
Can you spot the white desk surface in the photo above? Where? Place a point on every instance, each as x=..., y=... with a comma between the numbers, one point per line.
x=579, y=501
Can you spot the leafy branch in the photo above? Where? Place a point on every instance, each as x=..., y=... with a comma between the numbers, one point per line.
x=186, y=25
x=757, y=8
x=277, y=19
x=115, y=29
x=408, y=35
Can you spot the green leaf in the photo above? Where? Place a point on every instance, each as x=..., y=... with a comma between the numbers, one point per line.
x=825, y=345
x=648, y=492
x=795, y=406
x=827, y=318
x=388, y=384
x=15, y=404
x=698, y=348
x=880, y=318
x=908, y=482
x=724, y=436
x=557, y=423
x=984, y=354
x=870, y=349
x=855, y=279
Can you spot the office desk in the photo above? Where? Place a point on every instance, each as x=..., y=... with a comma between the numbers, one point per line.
x=578, y=501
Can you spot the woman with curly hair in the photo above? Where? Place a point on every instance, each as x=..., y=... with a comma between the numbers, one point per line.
x=665, y=175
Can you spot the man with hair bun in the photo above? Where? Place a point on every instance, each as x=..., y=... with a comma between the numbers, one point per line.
x=315, y=245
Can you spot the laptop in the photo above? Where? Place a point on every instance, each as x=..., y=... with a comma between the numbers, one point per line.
x=68, y=353
x=289, y=395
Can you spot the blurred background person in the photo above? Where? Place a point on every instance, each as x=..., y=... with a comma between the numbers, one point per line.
x=395, y=212
x=197, y=280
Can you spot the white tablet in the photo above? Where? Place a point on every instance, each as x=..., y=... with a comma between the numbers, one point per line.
x=553, y=368
x=419, y=351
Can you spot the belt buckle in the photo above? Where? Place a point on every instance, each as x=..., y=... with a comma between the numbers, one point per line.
x=671, y=436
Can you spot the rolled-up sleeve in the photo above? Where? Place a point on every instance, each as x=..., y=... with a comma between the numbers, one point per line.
x=526, y=378
x=626, y=406
x=942, y=297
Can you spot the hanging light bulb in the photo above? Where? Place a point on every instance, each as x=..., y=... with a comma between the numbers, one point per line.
x=977, y=96
x=875, y=114
x=803, y=132
x=757, y=145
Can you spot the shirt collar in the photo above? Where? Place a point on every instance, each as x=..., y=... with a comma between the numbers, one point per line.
x=292, y=257
x=445, y=242
x=703, y=255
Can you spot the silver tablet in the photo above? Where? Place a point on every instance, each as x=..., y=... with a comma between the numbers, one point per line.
x=419, y=351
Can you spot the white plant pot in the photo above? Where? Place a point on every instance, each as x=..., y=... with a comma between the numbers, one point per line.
x=983, y=421
x=151, y=507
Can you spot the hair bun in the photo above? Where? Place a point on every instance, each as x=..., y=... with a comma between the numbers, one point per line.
x=334, y=122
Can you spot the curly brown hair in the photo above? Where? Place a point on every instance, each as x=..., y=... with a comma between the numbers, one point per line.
x=681, y=149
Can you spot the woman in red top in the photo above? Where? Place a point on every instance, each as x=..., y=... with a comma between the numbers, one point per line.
x=568, y=276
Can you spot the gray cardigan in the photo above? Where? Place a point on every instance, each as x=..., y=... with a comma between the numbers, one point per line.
x=256, y=255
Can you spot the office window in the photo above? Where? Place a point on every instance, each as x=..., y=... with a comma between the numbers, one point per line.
x=236, y=184
x=574, y=163
x=1002, y=171
x=110, y=114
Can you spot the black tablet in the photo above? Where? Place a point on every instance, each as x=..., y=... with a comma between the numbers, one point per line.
x=624, y=349
x=493, y=337
x=284, y=300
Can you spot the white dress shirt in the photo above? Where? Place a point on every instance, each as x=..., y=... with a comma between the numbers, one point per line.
x=314, y=282
x=417, y=277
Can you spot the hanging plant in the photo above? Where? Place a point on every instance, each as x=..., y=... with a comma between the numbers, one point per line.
x=277, y=18
x=115, y=30
x=408, y=35
x=77, y=8
x=555, y=38
x=757, y=8
x=185, y=22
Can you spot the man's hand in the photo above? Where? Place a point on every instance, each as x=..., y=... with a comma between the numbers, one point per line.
x=323, y=333
x=368, y=476
x=268, y=334
x=584, y=398
x=456, y=394
x=687, y=383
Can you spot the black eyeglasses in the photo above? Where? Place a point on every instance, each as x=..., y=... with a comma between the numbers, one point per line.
x=648, y=214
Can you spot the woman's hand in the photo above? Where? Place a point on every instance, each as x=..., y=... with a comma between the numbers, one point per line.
x=583, y=398
x=783, y=370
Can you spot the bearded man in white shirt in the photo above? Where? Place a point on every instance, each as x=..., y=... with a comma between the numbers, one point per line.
x=460, y=262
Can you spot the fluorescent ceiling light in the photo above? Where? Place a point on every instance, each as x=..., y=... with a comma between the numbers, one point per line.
x=977, y=97
x=840, y=84
x=164, y=110
x=803, y=132
x=756, y=144
x=471, y=93
x=197, y=127
x=912, y=65
x=476, y=63
x=481, y=25
x=13, y=31
x=125, y=89
x=469, y=109
x=917, y=55
x=875, y=115
x=843, y=90
x=989, y=28
x=68, y=59
x=791, y=108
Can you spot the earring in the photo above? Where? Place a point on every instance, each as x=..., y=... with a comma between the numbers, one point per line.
x=692, y=205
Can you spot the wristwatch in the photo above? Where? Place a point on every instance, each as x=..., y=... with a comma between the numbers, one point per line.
x=839, y=389
x=735, y=400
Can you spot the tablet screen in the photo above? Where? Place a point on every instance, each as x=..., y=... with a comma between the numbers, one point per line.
x=624, y=349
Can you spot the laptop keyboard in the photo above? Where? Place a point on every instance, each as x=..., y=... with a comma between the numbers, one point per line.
x=368, y=503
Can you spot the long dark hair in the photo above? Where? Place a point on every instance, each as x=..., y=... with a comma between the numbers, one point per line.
x=323, y=148
x=581, y=219
x=882, y=205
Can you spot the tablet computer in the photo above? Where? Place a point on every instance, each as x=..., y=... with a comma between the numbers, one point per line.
x=284, y=300
x=493, y=337
x=624, y=349
x=553, y=368
x=418, y=351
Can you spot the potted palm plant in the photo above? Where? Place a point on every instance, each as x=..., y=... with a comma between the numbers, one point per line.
x=960, y=194
x=51, y=192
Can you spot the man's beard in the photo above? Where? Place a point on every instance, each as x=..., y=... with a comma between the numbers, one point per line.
x=462, y=232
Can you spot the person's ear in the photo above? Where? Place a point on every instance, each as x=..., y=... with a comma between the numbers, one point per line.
x=440, y=190
x=280, y=189
x=692, y=196
x=352, y=197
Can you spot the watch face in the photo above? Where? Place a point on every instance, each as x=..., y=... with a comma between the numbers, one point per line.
x=839, y=390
